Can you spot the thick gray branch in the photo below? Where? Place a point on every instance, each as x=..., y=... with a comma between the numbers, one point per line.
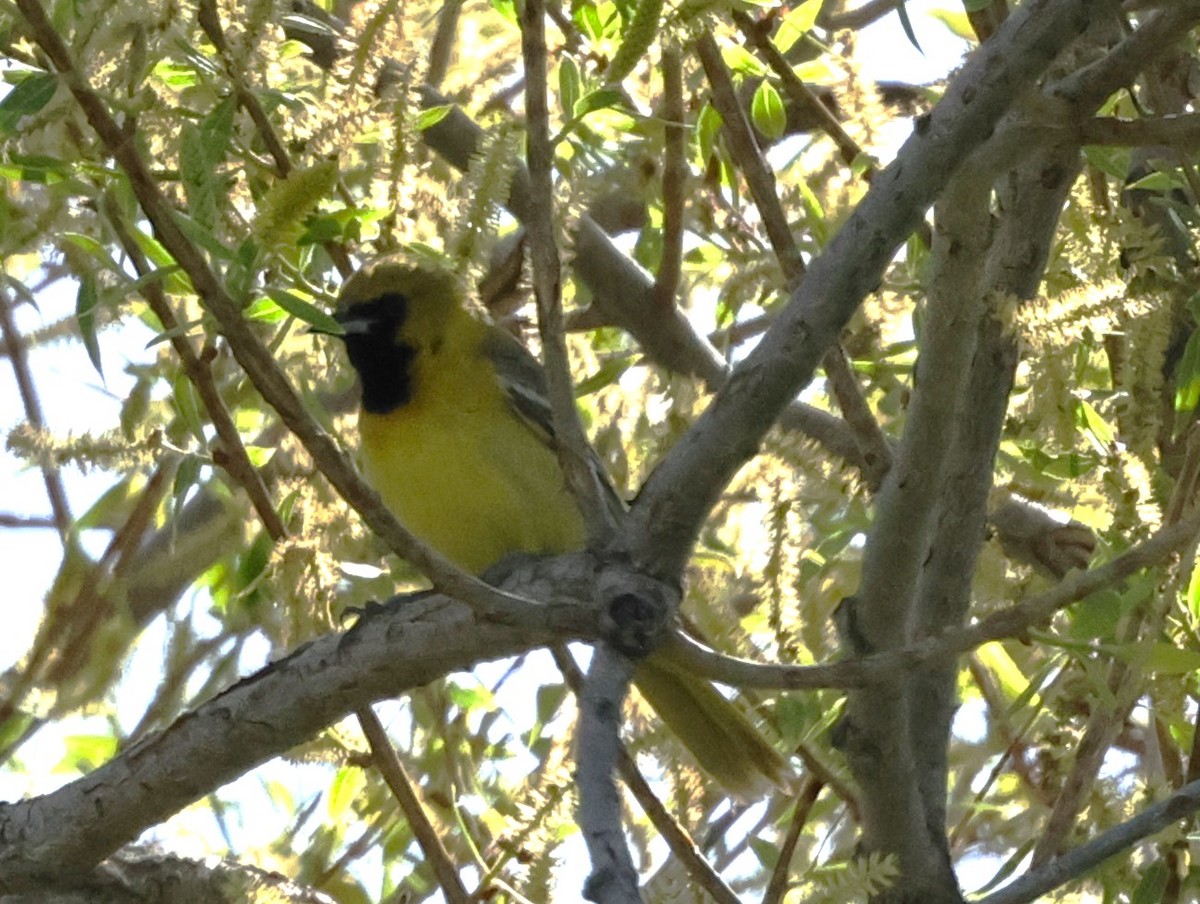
x=614, y=878
x=388, y=651
x=682, y=490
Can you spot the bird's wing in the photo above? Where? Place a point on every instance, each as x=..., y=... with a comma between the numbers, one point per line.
x=524, y=383
x=522, y=379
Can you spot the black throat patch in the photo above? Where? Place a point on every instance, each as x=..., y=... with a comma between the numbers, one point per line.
x=384, y=363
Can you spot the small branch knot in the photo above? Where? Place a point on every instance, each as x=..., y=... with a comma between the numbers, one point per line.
x=637, y=610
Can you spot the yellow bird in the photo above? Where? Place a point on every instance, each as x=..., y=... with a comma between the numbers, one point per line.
x=456, y=437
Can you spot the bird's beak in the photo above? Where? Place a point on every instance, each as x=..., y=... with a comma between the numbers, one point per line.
x=350, y=326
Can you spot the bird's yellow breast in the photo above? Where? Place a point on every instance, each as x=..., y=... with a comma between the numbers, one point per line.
x=461, y=469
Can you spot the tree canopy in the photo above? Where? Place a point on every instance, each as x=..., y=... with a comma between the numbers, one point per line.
x=907, y=433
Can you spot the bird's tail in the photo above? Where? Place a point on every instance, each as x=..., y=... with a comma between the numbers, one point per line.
x=726, y=744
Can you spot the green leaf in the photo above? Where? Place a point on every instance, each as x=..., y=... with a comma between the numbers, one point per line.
x=175, y=281
x=1154, y=882
x=1164, y=658
x=1193, y=593
x=957, y=22
x=739, y=59
x=638, y=37
x=906, y=24
x=260, y=455
x=796, y=24
x=1187, y=376
x=469, y=698
x=600, y=99
x=346, y=787
x=609, y=372
x=216, y=130
x=1163, y=181
x=174, y=74
x=1097, y=615
x=27, y=98
x=794, y=716
x=202, y=235
x=766, y=111
x=507, y=9
x=187, y=475
x=549, y=699
x=587, y=16
x=1009, y=866
x=85, y=314
x=85, y=752
x=35, y=168
x=708, y=125
x=187, y=406
x=111, y=509
x=288, y=506
x=306, y=311
x=252, y=565
x=431, y=116
x=1094, y=427
x=265, y=310
x=91, y=247
x=570, y=85
x=196, y=174
x=766, y=852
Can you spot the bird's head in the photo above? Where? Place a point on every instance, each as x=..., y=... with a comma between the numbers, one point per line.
x=402, y=302
x=389, y=314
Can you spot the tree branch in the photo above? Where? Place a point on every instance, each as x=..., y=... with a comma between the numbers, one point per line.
x=19, y=357
x=399, y=646
x=574, y=453
x=234, y=458
x=678, y=840
x=392, y=770
x=666, y=517
x=674, y=177
x=1077, y=862
x=614, y=879
x=1003, y=624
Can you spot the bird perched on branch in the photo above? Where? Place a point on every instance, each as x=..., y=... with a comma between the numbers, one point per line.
x=456, y=436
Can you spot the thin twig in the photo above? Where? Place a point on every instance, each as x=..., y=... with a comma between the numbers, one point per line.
x=1077, y=862
x=233, y=455
x=27, y=521
x=745, y=150
x=875, y=453
x=442, y=46
x=574, y=454
x=392, y=770
x=859, y=17
x=674, y=178
x=805, y=798
x=1011, y=621
x=1124, y=686
x=19, y=356
x=210, y=22
x=800, y=94
x=92, y=605
x=872, y=443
